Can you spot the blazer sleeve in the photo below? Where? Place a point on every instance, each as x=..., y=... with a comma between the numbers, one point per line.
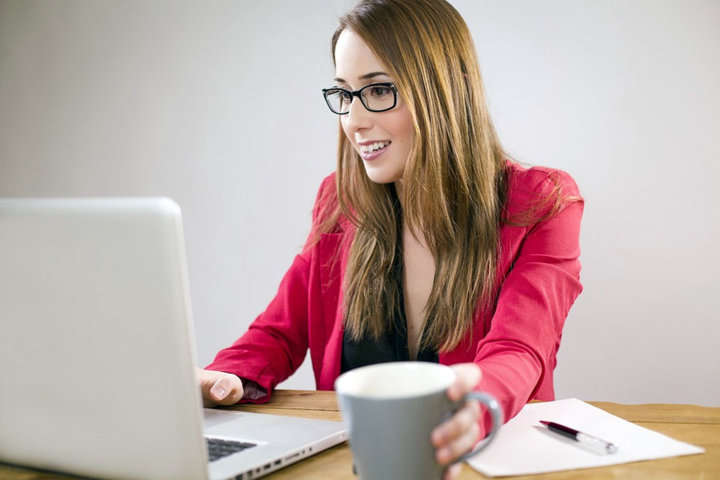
x=276, y=342
x=518, y=353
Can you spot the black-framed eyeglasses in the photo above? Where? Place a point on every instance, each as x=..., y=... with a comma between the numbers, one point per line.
x=376, y=97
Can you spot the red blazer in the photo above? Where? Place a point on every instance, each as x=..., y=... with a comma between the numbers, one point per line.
x=515, y=344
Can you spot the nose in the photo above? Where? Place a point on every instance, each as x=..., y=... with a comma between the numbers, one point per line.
x=357, y=119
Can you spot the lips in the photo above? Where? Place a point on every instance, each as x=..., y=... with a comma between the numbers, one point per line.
x=373, y=149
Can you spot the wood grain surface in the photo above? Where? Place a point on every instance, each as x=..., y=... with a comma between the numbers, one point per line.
x=689, y=423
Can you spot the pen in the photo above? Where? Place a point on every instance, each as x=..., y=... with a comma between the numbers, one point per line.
x=580, y=437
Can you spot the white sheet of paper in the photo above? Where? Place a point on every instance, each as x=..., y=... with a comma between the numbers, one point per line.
x=523, y=447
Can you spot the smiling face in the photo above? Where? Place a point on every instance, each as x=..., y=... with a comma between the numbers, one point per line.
x=382, y=139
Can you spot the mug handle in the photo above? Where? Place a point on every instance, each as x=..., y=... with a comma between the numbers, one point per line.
x=497, y=418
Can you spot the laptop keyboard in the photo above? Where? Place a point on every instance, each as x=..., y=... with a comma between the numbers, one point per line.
x=219, y=448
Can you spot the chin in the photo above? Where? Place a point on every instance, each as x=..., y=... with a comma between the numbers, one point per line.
x=378, y=174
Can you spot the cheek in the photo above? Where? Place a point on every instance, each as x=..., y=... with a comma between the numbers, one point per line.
x=345, y=129
x=403, y=127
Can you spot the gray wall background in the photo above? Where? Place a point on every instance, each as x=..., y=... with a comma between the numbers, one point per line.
x=217, y=105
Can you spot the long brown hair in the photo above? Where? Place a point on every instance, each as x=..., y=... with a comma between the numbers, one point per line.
x=454, y=182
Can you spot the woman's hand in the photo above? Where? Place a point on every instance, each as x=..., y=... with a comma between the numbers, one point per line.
x=458, y=434
x=219, y=388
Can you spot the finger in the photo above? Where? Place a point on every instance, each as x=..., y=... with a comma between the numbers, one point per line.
x=206, y=379
x=467, y=375
x=453, y=471
x=219, y=388
x=461, y=445
x=226, y=390
x=457, y=425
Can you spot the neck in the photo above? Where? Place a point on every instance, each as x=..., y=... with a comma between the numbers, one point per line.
x=399, y=193
x=407, y=232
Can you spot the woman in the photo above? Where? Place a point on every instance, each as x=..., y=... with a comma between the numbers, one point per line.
x=427, y=243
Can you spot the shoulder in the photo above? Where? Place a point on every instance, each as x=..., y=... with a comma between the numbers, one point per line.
x=535, y=179
x=327, y=215
x=538, y=191
x=326, y=197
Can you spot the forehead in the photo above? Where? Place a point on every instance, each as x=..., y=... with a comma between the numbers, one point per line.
x=354, y=58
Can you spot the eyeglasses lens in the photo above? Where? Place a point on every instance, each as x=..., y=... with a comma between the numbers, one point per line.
x=339, y=101
x=378, y=97
x=375, y=98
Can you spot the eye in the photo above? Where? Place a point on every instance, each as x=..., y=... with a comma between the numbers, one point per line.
x=380, y=90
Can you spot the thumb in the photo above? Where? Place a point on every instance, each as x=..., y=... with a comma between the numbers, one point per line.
x=226, y=390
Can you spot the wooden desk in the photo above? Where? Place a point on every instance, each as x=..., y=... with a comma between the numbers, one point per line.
x=689, y=423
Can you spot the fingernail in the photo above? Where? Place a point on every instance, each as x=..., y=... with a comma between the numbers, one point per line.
x=218, y=391
x=443, y=455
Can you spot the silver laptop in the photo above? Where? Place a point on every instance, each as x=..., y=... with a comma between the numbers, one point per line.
x=97, y=352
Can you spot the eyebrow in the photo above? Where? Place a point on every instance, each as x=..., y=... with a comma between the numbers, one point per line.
x=362, y=77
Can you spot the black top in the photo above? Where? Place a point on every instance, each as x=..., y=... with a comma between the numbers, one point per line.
x=392, y=347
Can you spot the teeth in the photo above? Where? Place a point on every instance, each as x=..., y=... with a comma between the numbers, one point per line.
x=373, y=147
